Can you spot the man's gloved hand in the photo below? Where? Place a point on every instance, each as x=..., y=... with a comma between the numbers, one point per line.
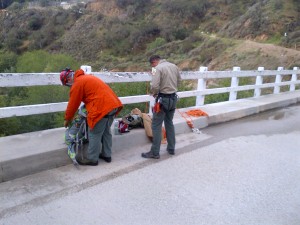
x=66, y=123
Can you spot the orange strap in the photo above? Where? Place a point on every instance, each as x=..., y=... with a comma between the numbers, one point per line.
x=188, y=119
x=193, y=112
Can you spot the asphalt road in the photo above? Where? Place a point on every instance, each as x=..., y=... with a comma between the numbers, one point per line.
x=243, y=172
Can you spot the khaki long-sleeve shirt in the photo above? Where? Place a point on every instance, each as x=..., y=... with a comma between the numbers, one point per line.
x=166, y=78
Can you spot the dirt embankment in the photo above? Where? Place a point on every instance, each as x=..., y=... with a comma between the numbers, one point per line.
x=250, y=55
x=104, y=7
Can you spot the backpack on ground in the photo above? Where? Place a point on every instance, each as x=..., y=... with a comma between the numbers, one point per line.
x=133, y=119
x=77, y=134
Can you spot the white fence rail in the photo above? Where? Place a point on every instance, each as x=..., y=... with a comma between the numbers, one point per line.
x=38, y=79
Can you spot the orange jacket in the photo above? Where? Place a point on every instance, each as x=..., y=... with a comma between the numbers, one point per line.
x=97, y=96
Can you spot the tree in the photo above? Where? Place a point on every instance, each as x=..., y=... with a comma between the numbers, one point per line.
x=35, y=22
x=5, y=3
x=44, y=3
x=191, y=9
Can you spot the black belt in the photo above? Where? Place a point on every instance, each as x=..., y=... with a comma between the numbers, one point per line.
x=166, y=95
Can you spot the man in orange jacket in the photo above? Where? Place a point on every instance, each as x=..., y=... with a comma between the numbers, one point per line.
x=102, y=104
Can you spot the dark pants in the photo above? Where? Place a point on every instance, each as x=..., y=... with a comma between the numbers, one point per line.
x=100, y=138
x=166, y=114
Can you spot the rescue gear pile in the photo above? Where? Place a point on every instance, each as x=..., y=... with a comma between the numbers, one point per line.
x=195, y=113
x=133, y=119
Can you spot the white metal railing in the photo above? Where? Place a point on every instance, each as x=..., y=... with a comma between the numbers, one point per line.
x=203, y=75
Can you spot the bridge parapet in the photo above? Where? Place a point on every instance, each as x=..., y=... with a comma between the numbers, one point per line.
x=24, y=154
x=203, y=76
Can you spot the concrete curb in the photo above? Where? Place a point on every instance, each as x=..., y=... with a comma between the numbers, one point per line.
x=29, y=153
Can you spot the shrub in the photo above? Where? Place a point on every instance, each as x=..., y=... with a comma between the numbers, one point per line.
x=143, y=33
x=180, y=34
x=8, y=61
x=44, y=3
x=157, y=43
x=21, y=33
x=4, y=4
x=16, y=6
x=278, y=4
x=35, y=22
x=39, y=41
x=60, y=18
x=124, y=3
x=12, y=42
x=186, y=9
x=137, y=6
x=9, y=126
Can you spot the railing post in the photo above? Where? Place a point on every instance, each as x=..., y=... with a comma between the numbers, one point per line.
x=86, y=69
x=278, y=81
x=294, y=78
x=234, y=83
x=201, y=86
x=259, y=81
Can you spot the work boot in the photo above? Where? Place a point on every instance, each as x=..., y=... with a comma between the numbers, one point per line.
x=86, y=162
x=106, y=159
x=171, y=151
x=150, y=155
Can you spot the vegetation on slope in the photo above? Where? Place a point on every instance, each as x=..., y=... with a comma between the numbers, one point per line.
x=111, y=34
x=120, y=35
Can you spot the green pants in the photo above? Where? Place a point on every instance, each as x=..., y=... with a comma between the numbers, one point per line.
x=100, y=139
x=166, y=114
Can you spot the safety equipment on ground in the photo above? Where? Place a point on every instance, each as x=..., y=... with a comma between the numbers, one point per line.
x=123, y=127
x=77, y=134
x=133, y=120
x=195, y=113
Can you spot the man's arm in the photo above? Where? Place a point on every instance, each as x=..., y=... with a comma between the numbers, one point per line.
x=76, y=94
x=178, y=78
x=155, y=86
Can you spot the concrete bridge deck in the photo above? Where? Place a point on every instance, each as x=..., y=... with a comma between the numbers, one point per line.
x=29, y=153
x=241, y=172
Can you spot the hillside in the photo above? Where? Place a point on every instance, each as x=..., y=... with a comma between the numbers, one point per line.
x=250, y=55
x=122, y=34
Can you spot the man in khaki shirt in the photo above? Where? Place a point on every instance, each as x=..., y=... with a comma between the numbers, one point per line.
x=165, y=81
